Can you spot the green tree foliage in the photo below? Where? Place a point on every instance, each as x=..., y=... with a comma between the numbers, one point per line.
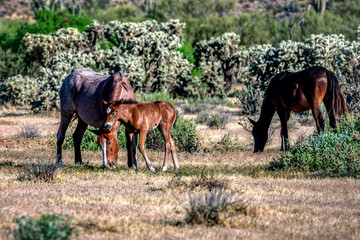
x=46, y=22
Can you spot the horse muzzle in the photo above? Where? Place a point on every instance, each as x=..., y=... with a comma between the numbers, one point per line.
x=107, y=126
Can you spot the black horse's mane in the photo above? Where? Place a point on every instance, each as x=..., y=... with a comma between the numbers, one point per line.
x=125, y=101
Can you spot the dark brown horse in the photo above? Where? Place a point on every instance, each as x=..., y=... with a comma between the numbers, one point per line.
x=298, y=92
x=140, y=118
x=83, y=93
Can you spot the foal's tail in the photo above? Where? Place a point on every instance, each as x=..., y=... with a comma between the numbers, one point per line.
x=177, y=114
x=333, y=93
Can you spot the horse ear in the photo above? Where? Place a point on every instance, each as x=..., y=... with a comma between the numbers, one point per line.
x=252, y=121
x=105, y=102
x=117, y=78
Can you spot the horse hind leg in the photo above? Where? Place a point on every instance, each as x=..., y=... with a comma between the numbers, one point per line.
x=319, y=120
x=174, y=157
x=167, y=139
x=64, y=123
x=330, y=111
x=142, y=150
x=77, y=137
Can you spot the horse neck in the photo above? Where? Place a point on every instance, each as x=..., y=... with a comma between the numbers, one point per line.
x=125, y=111
x=266, y=113
x=112, y=92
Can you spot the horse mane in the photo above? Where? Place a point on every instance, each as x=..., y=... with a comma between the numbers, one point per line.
x=112, y=91
x=125, y=101
x=274, y=81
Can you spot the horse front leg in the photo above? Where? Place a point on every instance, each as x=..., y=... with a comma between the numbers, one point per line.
x=77, y=137
x=131, y=143
x=142, y=149
x=284, y=119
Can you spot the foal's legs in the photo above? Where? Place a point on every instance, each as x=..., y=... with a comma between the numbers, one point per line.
x=64, y=123
x=284, y=118
x=165, y=130
x=142, y=149
x=174, y=157
x=77, y=137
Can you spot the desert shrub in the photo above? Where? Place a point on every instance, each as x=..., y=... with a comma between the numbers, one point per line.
x=203, y=182
x=41, y=170
x=335, y=152
x=45, y=227
x=218, y=120
x=155, y=96
x=228, y=143
x=19, y=90
x=195, y=107
x=203, y=117
x=29, y=130
x=213, y=120
x=209, y=208
x=89, y=141
x=183, y=133
x=250, y=99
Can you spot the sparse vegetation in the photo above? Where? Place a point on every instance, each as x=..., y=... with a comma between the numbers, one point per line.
x=209, y=208
x=42, y=170
x=44, y=227
x=29, y=130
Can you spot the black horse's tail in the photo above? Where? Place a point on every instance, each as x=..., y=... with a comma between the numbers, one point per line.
x=333, y=93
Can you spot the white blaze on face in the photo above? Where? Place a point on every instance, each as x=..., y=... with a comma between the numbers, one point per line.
x=108, y=110
x=103, y=148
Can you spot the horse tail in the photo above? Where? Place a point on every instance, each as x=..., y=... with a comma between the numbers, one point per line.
x=176, y=118
x=336, y=98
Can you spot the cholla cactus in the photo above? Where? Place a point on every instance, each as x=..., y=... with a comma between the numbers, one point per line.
x=219, y=58
x=145, y=52
x=19, y=90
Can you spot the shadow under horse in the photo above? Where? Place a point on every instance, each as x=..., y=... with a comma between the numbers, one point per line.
x=298, y=92
x=83, y=93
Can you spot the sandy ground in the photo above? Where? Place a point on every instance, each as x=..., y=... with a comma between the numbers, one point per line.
x=128, y=204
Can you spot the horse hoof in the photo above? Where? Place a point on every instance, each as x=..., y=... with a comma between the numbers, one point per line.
x=163, y=169
x=152, y=169
x=176, y=170
x=107, y=166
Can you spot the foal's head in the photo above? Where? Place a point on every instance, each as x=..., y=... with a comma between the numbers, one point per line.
x=114, y=112
x=260, y=135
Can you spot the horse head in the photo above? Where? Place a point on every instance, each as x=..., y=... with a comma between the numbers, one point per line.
x=260, y=135
x=109, y=146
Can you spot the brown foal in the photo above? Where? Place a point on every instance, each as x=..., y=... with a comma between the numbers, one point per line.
x=140, y=118
x=109, y=146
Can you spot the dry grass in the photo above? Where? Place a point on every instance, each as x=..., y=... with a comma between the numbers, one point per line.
x=128, y=204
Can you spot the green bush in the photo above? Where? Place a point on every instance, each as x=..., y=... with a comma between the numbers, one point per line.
x=45, y=227
x=47, y=22
x=335, y=152
x=183, y=133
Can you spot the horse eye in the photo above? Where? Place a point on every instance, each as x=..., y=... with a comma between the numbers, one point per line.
x=113, y=113
x=108, y=143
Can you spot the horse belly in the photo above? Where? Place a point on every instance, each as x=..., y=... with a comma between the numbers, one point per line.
x=300, y=104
